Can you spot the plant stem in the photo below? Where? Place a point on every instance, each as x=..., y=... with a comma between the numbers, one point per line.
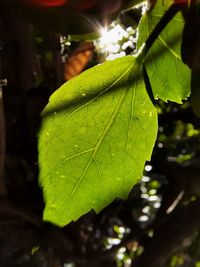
x=170, y=13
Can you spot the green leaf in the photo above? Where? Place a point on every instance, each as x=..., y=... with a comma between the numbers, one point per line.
x=169, y=76
x=97, y=132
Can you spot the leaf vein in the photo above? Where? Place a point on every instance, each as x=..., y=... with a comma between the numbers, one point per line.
x=168, y=47
x=73, y=156
x=129, y=127
x=105, y=131
x=89, y=102
x=99, y=171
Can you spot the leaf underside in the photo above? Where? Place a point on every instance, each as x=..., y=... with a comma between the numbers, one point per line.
x=97, y=132
x=168, y=75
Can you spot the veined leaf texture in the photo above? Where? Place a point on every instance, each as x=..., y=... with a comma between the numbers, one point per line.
x=97, y=132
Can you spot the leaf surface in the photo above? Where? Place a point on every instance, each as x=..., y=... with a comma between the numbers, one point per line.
x=169, y=76
x=97, y=132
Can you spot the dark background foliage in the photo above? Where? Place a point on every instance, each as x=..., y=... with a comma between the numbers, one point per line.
x=159, y=223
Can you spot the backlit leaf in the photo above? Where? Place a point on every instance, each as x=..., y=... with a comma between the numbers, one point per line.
x=97, y=132
x=169, y=76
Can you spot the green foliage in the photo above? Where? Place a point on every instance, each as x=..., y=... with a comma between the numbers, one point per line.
x=100, y=127
x=97, y=132
x=169, y=76
x=176, y=261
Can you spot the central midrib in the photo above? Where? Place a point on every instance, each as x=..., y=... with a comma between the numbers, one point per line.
x=105, y=131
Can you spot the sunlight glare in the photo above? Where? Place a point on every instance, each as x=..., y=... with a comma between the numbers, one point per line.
x=114, y=35
x=109, y=42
